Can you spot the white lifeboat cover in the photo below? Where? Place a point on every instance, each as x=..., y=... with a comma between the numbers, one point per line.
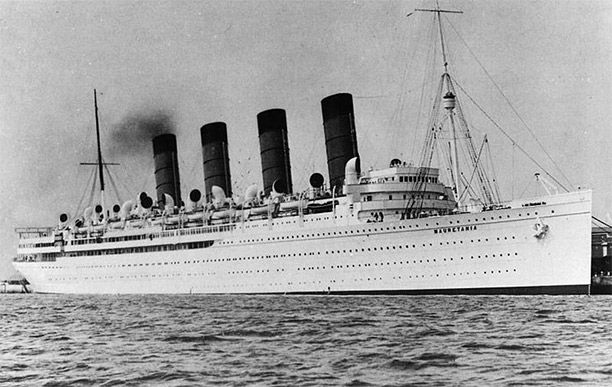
x=169, y=201
x=274, y=193
x=126, y=208
x=351, y=171
x=87, y=213
x=251, y=192
x=218, y=193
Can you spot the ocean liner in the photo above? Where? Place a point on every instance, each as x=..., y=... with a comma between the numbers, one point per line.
x=398, y=230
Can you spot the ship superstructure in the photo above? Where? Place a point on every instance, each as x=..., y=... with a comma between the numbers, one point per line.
x=395, y=230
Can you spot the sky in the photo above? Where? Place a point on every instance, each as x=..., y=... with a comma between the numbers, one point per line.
x=189, y=63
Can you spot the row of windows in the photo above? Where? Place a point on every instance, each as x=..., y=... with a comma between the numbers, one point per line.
x=368, y=198
x=319, y=234
x=363, y=249
x=312, y=253
x=243, y=285
x=407, y=262
x=254, y=271
x=36, y=245
x=420, y=179
x=163, y=234
x=369, y=230
x=346, y=266
x=111, y=239
x=402, y=179
x=110, y=277
x=280, y=222
x=143, y=249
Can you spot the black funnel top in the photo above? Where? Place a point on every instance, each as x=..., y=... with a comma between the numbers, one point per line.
x=274, y=150
x=272, y=120
x=340, y=136
x=166, y=167
x=213, y=132
x=215, y=158
x=336, y=105
x=164, y=143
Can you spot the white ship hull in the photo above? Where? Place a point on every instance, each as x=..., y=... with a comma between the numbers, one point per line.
x=492, y=252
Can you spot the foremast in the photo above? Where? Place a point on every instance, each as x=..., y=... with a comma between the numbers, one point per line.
x=101, y=172
x=100, y=164
x=457, y=130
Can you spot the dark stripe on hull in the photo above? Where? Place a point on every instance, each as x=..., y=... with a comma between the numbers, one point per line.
x=516, y=291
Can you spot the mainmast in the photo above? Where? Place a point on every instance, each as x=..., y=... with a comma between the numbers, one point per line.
x=449, y=101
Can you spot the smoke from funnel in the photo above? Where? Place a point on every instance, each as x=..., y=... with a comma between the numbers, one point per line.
x=133, y=134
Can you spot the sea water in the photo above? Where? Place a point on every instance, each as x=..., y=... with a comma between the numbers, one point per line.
x=305, y=340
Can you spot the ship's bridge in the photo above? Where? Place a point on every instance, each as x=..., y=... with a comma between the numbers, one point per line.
x=401, y=174
x=400, y=191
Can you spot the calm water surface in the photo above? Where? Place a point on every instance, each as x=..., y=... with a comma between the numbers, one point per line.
x=318, y=340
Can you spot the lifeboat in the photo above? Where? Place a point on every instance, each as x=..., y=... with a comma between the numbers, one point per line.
x=136, y=223
x=115, y=224
x=194, y=217
x=293, y=205
x=98, y=228
x=172, y=219
x=316, y=208
x=223, y=214
x=262, y=210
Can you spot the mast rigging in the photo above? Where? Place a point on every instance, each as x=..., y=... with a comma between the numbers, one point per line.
x=98, y=139
x=447, y=116
x=99, y=163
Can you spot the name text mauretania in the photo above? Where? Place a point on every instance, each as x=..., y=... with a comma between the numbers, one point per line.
x=453, y=229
